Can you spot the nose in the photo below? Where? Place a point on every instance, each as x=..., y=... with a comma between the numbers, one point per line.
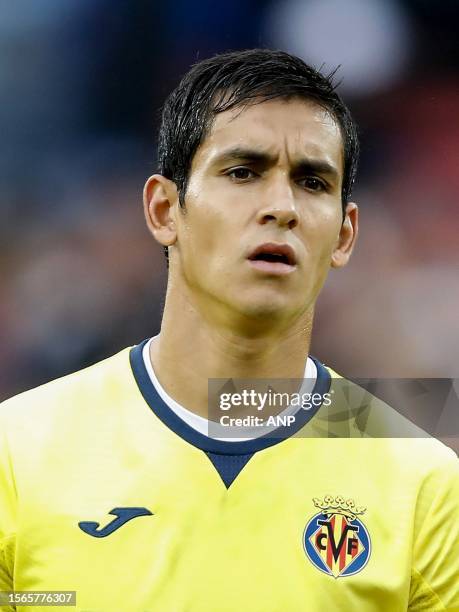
x=280, y=207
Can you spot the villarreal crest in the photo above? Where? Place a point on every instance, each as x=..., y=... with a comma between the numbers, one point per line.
x=335, y=540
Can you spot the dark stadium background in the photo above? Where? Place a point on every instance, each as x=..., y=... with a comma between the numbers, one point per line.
x=81, y=83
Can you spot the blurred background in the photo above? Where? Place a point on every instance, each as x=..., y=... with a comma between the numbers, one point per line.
x=82, y=82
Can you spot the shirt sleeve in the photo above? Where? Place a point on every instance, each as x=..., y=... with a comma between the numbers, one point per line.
x=7, y=518
x=435, y=566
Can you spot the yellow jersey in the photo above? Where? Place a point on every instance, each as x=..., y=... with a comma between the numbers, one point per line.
x=105, y=491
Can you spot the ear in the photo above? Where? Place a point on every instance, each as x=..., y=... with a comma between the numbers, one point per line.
x=347, y=236
x=160, y=201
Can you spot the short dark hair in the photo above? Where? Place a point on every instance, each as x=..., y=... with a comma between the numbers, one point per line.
x=240, y=78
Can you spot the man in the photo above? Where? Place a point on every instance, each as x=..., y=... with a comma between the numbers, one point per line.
x=110, y=482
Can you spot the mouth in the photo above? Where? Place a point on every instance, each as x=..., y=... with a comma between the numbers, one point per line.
x=273, y=258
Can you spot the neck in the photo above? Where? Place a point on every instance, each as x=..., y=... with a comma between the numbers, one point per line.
x=192, y=348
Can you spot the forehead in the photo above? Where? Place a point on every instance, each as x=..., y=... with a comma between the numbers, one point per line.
x=296, y=128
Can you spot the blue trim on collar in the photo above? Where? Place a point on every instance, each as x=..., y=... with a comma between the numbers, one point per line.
x=229, y=466
x=182, y=429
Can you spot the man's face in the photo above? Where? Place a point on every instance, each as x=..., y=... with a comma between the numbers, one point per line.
x=263, y=209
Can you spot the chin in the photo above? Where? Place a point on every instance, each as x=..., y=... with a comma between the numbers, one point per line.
x=269, y=309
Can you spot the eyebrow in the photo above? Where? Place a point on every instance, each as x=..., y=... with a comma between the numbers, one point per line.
x=306, y=164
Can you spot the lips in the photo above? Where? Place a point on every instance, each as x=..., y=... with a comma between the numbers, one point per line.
x=274, y=253
x=273, y=259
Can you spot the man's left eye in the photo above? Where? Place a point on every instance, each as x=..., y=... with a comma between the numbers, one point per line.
x=312, y=183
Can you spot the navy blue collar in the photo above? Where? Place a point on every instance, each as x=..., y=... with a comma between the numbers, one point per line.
x=182, y=429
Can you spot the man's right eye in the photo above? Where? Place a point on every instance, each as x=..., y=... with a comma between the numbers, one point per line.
x=241, y=174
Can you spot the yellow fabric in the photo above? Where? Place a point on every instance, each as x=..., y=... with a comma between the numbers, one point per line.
x=76, y=448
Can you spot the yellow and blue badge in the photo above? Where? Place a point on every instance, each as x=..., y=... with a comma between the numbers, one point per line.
x=335, y=540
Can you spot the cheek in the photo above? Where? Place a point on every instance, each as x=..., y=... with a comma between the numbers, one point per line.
x=321, y=235
x=203, y=235
x=213, y=216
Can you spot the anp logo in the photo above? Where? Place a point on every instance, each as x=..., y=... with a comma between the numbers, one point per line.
x=335, y=540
